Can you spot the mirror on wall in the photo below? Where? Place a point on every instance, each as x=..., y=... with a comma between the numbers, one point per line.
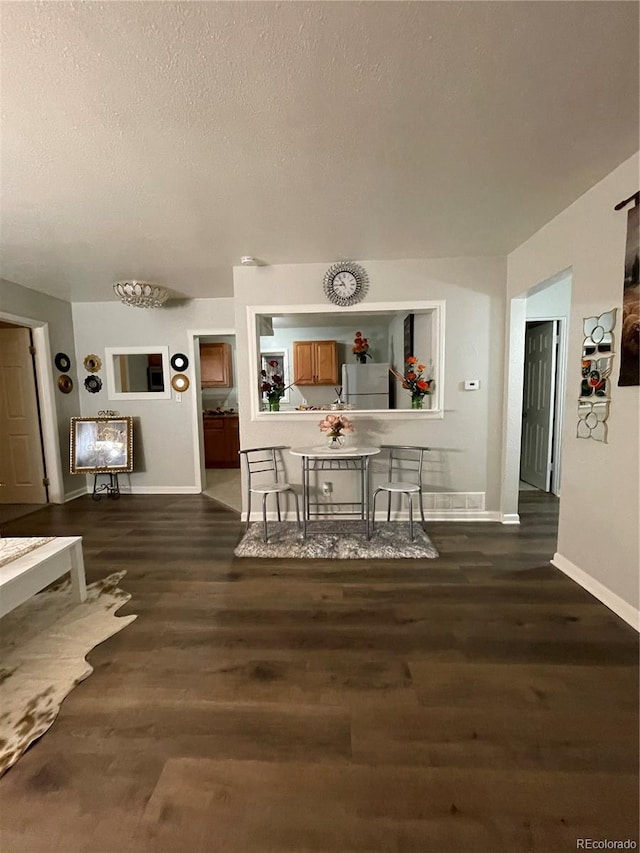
x=138, y=373
x=347, y=360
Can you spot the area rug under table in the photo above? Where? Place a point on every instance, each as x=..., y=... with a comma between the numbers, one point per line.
x=342, y=540
x=43, y=644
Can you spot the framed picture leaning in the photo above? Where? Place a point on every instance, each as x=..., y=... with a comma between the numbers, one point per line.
x=101, y=445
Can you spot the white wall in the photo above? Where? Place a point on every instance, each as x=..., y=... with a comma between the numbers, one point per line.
x=164, y=450
x=466, y=442
x=552, y=300
x=598, y=538
x=56, y=314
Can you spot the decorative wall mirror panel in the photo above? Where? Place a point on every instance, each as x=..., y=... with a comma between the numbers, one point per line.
x=595, y=385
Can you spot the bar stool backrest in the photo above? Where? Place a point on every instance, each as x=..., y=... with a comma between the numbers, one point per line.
x=405, y=462
x=262, y=460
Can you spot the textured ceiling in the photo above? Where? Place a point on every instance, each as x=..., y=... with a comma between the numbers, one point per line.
x=166, y=140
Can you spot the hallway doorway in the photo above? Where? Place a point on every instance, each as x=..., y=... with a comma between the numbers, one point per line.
x=215, y=404
x=549, y=300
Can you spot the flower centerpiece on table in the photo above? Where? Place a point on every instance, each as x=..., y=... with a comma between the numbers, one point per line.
x=272, y=385
x=414, y=381
x=335, y=427
x=361, y=348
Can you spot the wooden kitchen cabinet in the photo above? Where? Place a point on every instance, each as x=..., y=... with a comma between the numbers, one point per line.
x=221, y=442
x=315, y=363
x=216, y=365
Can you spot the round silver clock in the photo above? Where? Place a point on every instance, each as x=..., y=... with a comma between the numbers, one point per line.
x=346, y=283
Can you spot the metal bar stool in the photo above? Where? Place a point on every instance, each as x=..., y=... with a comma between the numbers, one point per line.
x=405, y=478
x=264, y=460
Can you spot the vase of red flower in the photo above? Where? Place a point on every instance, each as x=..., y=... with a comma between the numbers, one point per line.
x=272, y=385
x=360, y=348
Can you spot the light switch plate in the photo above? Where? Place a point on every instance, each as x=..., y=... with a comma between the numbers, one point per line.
x=471, y=384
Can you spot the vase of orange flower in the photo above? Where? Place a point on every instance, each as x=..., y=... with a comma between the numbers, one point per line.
x=335, y=427
x=413, y=380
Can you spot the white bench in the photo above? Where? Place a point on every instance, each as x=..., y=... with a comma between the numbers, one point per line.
x=27, y=575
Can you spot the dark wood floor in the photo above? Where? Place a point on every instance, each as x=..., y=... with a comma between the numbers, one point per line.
x=478, y=702
x=9, y=512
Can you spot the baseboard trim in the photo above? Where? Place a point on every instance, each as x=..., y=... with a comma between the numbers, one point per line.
x=76, y=493
x=509, y=518
x=442, y=515
x=454, y=515
x=159, y=490
x=138, y=490
x=620, y=607
x=460, y=503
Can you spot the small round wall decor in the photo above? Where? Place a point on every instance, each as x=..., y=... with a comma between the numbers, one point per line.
x=180, y=382
x=93, y=384
x=92, y=363
x=65, y=384
x=62, y=362
x=179, y=361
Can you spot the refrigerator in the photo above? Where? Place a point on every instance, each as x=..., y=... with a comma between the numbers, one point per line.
x=366, y=385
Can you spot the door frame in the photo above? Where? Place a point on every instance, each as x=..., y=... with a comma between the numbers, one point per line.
x=46, y=402
x=559, y=392
x=197, y=429
x=516, y=318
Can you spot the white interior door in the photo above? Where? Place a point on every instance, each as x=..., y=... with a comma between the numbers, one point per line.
x=21, y=460
x=538, y=403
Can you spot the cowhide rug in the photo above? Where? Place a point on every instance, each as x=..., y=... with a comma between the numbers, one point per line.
x=43, y=644
x=337, y=540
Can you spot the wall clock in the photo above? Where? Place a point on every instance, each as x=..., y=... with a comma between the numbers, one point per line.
x=346, y=283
